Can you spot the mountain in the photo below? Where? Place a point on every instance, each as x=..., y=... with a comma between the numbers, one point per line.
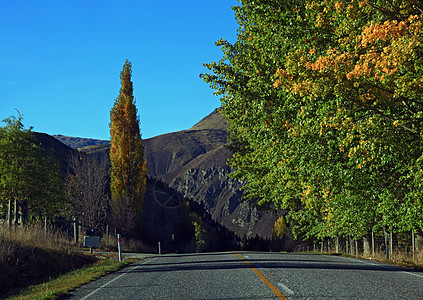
x=162, y=215
x=213, y=121
x=194, y=163
x=77, y=142
x=56, y=148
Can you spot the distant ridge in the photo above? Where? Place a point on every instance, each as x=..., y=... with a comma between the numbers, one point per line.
x=212, y=121
x=77, y=142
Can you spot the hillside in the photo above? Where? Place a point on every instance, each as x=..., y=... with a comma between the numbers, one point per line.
x=194, y=162
x=56, y=148
x=212, y=121
x=77, y=142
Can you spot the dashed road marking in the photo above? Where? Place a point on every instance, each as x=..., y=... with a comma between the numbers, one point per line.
x=264, y=279
x=287, y=290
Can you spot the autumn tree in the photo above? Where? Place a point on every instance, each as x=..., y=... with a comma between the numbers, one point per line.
x=128, y=166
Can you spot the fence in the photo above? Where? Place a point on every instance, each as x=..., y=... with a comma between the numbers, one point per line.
x=403, y=246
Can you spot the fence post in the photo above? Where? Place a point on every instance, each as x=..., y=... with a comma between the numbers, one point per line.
x=119, y=247
x=75, y=230
x=391, y=243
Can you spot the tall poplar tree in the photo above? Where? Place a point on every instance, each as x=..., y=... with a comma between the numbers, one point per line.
x=129, y=168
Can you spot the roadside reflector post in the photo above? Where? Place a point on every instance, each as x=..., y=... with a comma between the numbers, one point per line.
x=119, y=247
x=160, y=249
x=387, y=246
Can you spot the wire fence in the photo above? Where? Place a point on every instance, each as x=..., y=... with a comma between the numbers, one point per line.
x=403, y=247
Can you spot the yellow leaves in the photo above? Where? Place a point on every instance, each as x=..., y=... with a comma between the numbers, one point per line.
x=382, y=32
x=333, y=61
x=279, y=228
x=277, y=83
x=302, y=88
x=359, y=70
x=339, y=6
x=366, y=97
x=281, y=74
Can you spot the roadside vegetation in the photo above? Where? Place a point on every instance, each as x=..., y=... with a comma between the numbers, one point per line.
x=324, y=105
x=30, y=255
x=44, y=264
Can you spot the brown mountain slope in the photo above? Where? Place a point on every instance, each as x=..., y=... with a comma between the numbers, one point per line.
x=194, y=162
x=213, y=121
x=170, y=152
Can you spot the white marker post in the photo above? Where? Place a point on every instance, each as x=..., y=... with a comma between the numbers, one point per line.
x=119, y=247
x=160, y=249
x=387, y=247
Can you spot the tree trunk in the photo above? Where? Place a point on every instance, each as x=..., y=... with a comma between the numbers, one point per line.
x=373, y=243
x=391, y=244
x=366, y=246
x=24, y=213
x=419, y=241
x=15, y=214
x=347, y=245
x=352, y=245
x=337, y=244
x=10, y=213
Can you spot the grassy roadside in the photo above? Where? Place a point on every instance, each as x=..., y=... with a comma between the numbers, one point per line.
x=69, y=281
x=42, y=264
x=399, y=259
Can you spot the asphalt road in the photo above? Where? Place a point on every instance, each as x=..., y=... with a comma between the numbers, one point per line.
x=255, y=275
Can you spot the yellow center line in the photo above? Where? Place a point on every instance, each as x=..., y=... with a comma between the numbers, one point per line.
x=264, y=279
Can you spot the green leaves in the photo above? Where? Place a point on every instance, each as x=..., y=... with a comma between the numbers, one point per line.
x=323, y=99
x=27, y=174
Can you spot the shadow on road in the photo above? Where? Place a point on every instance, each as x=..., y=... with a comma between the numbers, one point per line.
x=280, y=261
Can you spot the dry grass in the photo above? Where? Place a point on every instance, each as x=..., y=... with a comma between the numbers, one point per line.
x=30, y=255
x=399, y=257
x=109, y=243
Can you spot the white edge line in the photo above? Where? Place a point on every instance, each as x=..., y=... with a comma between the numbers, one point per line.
x=286, y=289
x=418, y=275
x=383, y=265
x=109, y=282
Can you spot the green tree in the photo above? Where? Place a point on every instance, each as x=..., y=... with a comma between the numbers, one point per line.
x=323, y=100
x=129, y=168
x=30, y=181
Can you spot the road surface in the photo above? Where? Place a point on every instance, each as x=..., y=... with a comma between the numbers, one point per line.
x=255, y=275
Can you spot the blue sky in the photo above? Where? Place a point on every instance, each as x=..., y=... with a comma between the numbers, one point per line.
x=60, y=61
